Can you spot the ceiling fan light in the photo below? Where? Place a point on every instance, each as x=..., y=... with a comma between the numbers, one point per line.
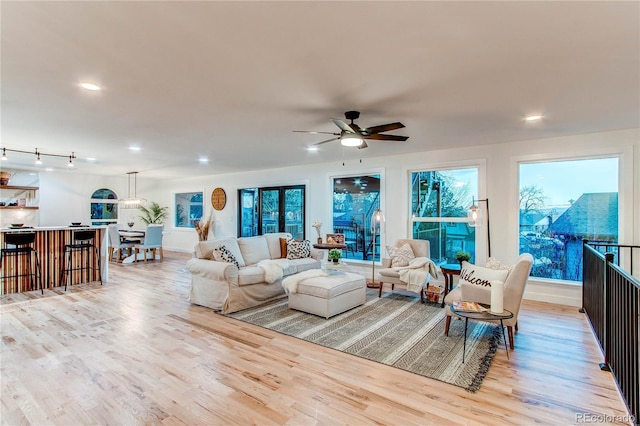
x=351, y=140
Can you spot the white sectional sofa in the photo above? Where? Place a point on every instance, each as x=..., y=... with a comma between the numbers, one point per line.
x=224, y=287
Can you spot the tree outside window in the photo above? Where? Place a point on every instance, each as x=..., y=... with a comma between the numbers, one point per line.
x=562, y=203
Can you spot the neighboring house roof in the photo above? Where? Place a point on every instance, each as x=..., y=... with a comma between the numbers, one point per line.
x=592, y=216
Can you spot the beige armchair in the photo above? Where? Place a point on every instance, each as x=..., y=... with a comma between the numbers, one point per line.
x=389, y=275
x=514, y=286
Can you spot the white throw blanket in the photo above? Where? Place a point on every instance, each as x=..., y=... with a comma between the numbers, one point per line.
x=417, y=272
x=273, y=269
x=290, y=284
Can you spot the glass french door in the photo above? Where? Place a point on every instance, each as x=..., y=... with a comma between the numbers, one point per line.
x=272, y=209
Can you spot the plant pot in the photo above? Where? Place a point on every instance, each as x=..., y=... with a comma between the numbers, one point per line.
x=335, y=260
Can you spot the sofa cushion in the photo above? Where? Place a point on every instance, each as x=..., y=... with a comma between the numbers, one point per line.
x=304, y=264
x=254, y=249
x=273, y=241
x=222, y=254
x=204, y=249
x=298, y=249
x=250, y=275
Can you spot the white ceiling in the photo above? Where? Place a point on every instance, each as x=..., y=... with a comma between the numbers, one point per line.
x=232, y=80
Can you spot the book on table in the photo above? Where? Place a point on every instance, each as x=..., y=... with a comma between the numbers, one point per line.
x=469, y=307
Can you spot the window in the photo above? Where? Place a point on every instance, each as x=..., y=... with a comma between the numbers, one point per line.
x=440, y=200
x=104, y=207
x=272, y=209
x=562, y=203
x=189, y=208
x=355, y=198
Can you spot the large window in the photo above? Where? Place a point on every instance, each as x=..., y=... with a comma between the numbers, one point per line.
x=104, y=207
x=188, y=209
x=272, y=209
x=355, y=198
x=439, y=203
x=562, y=203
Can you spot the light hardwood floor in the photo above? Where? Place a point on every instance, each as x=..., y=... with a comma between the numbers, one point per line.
x=125, y=353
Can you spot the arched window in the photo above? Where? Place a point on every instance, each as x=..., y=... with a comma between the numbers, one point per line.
x=104, y=207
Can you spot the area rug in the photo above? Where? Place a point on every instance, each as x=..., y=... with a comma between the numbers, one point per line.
x=395, y=330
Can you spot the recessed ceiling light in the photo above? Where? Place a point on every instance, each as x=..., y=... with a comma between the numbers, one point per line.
x=91, y=159
x=203, y=160
x=135, y=148
x=533, y=117
x=90, y=86
x=312, y=148
x=49, y=169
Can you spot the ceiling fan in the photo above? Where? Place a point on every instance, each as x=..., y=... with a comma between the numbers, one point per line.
x=353, y=135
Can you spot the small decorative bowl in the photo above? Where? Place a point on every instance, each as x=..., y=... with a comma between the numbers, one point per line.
x=17, y=225
x=76, y=223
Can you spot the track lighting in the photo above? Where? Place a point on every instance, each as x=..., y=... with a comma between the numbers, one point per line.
x=38, y=155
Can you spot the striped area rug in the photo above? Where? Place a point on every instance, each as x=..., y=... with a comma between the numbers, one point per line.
x=395, y=330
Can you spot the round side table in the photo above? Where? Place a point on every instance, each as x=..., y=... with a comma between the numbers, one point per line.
x=485, y=315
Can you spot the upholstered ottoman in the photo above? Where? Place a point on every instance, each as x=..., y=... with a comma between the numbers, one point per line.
x=330, y=295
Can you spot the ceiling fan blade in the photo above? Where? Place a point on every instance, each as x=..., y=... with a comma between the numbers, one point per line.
x=388, y=137
x=328, y=140
x=345, y=127
x=312, y=132
x=384, y=128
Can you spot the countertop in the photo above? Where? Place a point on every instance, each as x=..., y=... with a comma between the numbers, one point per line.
x=51, y=228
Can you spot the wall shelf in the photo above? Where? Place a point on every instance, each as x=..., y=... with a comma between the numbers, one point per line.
x=25, y=188
x=19, y=208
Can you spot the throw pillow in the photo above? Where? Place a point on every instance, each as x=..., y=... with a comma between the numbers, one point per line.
x=222, y=254
x=471, y=274
x=283, y=247
x=298, y=249
x=400, y=256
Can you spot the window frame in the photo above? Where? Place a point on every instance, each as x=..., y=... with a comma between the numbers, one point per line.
x=480, y=233
x=92, y=201
x=175, y=209
x=329, y=224
x=625, y=174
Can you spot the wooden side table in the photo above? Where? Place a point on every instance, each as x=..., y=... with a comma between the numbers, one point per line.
x=449, y=270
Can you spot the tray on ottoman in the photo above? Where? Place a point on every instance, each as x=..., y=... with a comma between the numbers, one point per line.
x=330, y=295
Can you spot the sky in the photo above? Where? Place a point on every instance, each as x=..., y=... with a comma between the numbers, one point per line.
x=562, y=181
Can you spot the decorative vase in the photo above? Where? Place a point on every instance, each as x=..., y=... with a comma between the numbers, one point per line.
x=319, y=240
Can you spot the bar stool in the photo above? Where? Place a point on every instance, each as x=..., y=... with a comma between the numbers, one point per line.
x=22, y=243
x=83, y=243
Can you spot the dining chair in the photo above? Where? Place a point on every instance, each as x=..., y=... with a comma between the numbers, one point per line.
x=152, y=242
x=116, y=243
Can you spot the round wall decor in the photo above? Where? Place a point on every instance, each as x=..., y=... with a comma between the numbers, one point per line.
x=218, y=198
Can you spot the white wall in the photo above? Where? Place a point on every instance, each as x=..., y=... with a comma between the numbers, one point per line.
x=498, y=182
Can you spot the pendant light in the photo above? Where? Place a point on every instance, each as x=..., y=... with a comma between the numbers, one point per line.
x=135, y=201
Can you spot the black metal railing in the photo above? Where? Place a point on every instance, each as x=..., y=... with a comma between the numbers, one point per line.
x=611, y=300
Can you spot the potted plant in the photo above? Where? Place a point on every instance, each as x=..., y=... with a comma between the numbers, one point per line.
x=153, y=214
x=461, y=256
x=334, y=255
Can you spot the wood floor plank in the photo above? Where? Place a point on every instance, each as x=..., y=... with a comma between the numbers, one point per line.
x=130, y=351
